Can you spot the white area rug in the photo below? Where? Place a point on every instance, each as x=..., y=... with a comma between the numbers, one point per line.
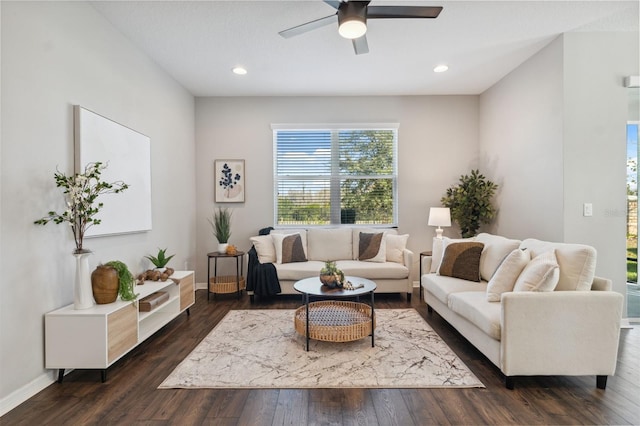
x=261, y=349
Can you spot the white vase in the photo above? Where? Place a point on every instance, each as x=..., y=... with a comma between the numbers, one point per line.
x=82, y=291
x=222, y=247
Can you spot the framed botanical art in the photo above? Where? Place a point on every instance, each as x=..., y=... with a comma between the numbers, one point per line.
x=229, y=181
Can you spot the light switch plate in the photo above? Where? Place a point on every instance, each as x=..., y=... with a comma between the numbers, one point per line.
x=587, y=209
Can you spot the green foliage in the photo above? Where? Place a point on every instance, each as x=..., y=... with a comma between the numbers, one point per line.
x=470, y=202
x=81, y=192
x=221, y=225
x=126, y=280
x=632, y=265
x=161, y=260
x=368, y=153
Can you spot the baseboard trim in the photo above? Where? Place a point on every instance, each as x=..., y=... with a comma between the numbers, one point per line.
x=201, y=286
x=19, y=396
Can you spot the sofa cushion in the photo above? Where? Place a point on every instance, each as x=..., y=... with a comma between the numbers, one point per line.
x=329, y=244
x=438, y=249
x=541, y=274
x=461, y=260
x=299, y=270
x=496, y=249
x=577, y=262
x=265, y=248
x=372, y=247
x=356, y=237
x=441, y=286
x=373, y=271
x=395, y=246
x=508, y=272
x=303, y=236
x=474, y=306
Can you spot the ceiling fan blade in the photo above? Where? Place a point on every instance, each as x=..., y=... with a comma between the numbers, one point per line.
x=360, y=45
x=333, y=3
x=301, y=29
x=384, y=12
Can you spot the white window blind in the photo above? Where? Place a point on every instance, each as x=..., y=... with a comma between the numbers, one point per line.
x=335, y=174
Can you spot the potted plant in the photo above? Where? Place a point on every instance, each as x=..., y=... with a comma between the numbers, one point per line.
x=221, y=228
x=331, y=276
x=470, y=202
x=81, y=191
x=125, y=280
x=160, y=261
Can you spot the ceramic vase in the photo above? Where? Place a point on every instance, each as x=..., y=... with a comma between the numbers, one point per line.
x=104, y=284
x=222, y=247
x=82, y=292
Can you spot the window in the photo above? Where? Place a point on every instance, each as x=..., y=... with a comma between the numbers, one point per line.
x=335, y=174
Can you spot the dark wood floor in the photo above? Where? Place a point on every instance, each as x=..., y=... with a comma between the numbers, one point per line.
x=130, y=396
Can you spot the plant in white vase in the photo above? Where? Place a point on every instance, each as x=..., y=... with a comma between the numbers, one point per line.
x=221, y=227
x=81, y=191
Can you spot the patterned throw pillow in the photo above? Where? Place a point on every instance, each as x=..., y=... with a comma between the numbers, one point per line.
x=462, y=260
x=372, y=247
x=289, y=248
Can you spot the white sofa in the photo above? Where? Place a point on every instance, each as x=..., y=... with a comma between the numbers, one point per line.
x=391, y=272
x=573, y=330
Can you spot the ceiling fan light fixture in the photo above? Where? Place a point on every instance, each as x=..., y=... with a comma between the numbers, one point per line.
x=352, y=29
x=352, y=22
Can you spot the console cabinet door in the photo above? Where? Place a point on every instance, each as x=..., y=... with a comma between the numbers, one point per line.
x=187, y=292
x=122, y=331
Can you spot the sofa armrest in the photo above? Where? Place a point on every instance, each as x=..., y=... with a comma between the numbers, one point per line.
x=407, y=258
x=560, y=332
x=426, y=264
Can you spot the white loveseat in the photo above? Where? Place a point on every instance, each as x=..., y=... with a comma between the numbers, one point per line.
x=391, y=271
x=572, y=329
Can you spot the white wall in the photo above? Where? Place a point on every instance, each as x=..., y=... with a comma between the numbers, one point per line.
x=521, y=147
x=554, y=131
x=595, y=118
x=55, y=55
x=437, y=143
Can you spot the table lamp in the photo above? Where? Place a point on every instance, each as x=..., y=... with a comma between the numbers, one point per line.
x=439, y=216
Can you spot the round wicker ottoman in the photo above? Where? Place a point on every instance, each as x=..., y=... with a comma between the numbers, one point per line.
x=335, y=320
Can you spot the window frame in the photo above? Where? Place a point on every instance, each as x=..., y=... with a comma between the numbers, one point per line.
x=337, y=178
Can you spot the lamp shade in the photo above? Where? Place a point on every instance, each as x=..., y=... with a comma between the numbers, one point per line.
x=439, y=216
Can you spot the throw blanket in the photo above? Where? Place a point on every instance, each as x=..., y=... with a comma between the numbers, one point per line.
x=262, y=278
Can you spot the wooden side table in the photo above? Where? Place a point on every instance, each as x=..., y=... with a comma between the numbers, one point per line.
x=422, y=254
x=225, y=284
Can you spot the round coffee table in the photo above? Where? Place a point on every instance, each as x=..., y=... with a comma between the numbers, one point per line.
x=335, y=319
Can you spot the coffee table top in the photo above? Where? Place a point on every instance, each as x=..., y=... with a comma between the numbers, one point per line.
x=314, y=287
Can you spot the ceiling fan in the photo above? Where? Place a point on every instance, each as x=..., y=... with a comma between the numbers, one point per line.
x=352, y=19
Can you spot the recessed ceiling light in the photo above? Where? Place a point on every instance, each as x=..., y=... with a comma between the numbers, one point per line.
x=239, y=70
x=440, y=68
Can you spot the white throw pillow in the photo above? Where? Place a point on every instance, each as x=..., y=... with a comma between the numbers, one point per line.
x=372, y=247
x=265, y=248
x=507, y=273
x=438, y=249
x=395, y=245
x=496, y=249
x=541, y=274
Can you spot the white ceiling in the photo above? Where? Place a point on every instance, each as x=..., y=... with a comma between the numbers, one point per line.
x=199, y=42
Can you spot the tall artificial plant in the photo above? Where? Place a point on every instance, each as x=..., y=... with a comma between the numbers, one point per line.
x=470, y=202
x=221, y=225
